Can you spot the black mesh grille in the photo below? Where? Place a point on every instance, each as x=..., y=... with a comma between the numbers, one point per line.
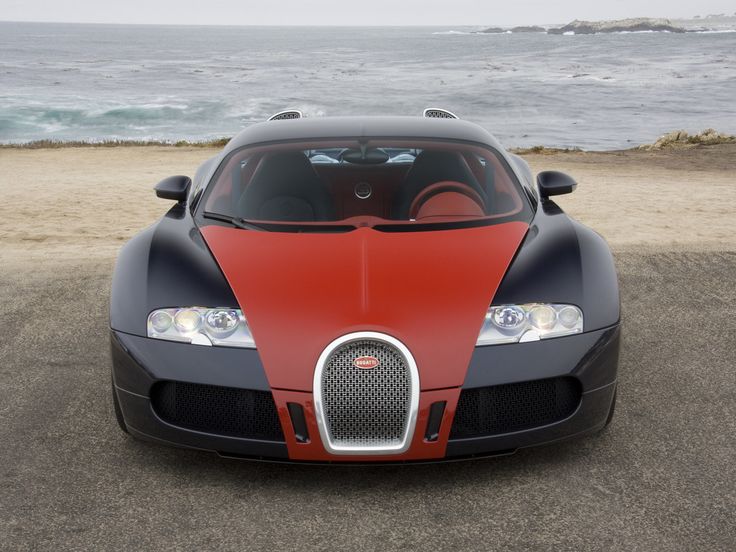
x=514, y=407
x=219, y=410
x=439, y=114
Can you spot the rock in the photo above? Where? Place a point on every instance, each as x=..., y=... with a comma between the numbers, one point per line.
x=671, y=138
x=500, y=30
x=532, y=29
x=711, y=136
x=681, y=138
x=618, y=26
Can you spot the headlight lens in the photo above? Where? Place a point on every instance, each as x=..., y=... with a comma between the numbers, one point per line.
x=222, y=322
x=508, y=318
x=187, y=321
x=201, y=326
x=159, y=321
x=529, y=322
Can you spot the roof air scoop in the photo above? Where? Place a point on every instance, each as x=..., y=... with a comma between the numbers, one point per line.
x=437, y=113
x=285, y=115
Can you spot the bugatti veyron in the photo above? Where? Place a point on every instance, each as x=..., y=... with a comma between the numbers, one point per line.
x=364, y=289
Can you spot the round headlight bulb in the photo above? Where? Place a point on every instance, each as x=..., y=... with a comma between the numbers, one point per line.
x=543, y=317
x=187, y=321
x=569, y=317
x=160, y=321
x=508, y=318
x=221, y=323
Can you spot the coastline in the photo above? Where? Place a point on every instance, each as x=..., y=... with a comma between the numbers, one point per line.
x=676, y=198
x=673, y=139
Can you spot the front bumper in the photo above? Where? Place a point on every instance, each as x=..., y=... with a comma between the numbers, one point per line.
x=139, y=364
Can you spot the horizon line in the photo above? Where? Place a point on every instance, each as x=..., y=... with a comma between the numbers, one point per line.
x=416, y=25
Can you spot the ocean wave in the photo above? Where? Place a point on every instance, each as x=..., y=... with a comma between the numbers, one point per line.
x=587, y=76
x=49, y=120
x=452, y=33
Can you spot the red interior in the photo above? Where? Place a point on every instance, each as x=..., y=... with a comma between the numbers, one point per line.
x=447, y=199
x=449, y=204
x=341, y=181
x=384, y=180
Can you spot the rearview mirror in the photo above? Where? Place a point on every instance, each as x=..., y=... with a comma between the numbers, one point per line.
x=553, y=183
x=174, y=187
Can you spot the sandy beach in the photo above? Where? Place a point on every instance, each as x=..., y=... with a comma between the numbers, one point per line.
x=87, y=201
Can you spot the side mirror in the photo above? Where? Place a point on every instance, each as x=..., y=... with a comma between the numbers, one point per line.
x=174, y=187
x=553, y=183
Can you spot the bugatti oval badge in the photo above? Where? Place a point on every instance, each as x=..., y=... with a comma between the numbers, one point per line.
x=366, y=362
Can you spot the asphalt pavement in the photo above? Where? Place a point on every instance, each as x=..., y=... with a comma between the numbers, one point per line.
x=662, y=477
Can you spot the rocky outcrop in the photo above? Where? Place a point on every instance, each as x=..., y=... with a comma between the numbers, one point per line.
x=681, y=138
x=532, y=29
x=527, y=29
x=618, y=26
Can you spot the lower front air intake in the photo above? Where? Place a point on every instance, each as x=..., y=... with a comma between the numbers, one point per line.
x=500, y=409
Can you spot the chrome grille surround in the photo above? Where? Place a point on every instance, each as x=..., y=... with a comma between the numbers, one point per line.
x=363, y=411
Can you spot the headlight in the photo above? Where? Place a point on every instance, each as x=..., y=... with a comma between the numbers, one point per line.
x=530, y=322
x=201, y=326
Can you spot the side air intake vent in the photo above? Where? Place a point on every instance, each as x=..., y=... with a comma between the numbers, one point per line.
x=437, y=113
x=514, y=407
x=285, y=115
x=218, y=410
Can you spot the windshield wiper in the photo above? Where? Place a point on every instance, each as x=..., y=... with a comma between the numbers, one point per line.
x=235, y=221
x=280, y=227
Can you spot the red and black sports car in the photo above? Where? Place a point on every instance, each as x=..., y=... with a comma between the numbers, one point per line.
x=364, y=290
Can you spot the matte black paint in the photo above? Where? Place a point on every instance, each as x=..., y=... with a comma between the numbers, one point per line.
x=345, y=127
x=174, y=187
x=591, y=357
x=552, y=183
x=562, y=261
x=142, y=422
x=166, y=265
x=138, y=362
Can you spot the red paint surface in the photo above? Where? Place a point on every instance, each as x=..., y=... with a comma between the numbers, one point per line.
x=430, y=290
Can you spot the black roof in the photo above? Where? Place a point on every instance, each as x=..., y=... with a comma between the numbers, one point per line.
x=351, y=127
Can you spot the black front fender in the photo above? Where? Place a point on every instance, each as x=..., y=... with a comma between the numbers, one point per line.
x=166, y=265
x=563, y=261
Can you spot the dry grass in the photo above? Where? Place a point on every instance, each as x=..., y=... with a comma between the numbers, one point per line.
x=674, y=139
x=58, y=144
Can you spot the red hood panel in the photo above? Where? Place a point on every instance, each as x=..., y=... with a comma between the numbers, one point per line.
x=430, y=290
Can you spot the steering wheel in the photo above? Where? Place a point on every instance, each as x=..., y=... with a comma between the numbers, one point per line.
x=443, y=187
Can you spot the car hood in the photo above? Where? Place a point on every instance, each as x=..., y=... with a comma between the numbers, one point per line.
x=430, y=290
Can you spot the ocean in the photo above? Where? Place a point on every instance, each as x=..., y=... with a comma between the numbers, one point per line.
x=125, y=82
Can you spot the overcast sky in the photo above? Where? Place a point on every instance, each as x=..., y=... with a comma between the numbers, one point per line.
x=351, y=12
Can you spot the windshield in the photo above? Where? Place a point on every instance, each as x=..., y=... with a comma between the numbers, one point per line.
x=386, y=184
